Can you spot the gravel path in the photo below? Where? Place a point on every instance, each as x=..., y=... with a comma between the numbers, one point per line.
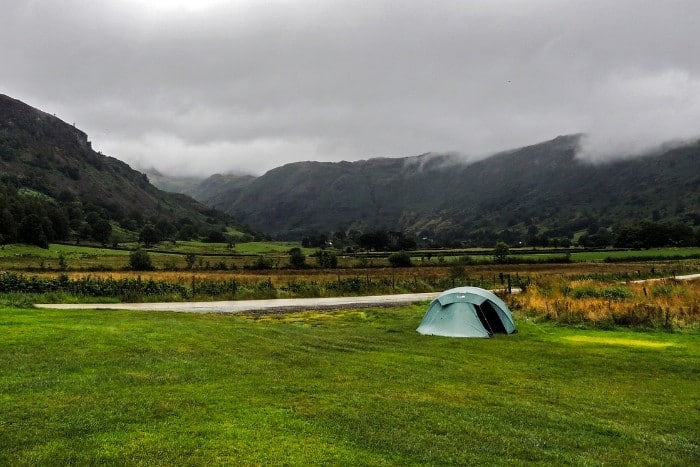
x=272, y=306
x=241, y=306
x=688, y=277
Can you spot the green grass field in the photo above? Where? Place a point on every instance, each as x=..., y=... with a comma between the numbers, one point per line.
x=621, y=255
x=171, y=256
x=344, y=388
x=165, y=255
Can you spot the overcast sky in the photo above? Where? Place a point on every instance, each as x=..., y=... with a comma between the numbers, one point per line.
x=207, y=86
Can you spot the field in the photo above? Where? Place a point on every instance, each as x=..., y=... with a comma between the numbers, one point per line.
x=603, y=370
x=347, y=387
x=218, y=256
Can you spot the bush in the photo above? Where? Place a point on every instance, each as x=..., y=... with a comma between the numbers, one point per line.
x=297, y=259
x=501, y=252
x=326, y=259
x=261, y=263
x=400, y=260
x=139, y=260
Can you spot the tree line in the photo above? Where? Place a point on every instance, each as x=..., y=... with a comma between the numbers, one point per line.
x=643, y=234
x=30, y=216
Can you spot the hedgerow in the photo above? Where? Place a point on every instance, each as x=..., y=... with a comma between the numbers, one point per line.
x=126, y=289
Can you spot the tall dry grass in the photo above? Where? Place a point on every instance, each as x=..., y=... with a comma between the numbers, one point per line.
x=666, y=303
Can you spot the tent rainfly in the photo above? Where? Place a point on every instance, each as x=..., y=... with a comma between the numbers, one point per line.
x=467, y=312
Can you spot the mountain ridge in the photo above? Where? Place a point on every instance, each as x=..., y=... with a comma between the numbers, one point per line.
x=49, y=170
x=544, y=188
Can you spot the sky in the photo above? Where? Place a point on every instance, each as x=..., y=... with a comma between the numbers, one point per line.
x=197, y=87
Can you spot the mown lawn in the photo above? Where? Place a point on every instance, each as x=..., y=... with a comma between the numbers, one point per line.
x=347, y=387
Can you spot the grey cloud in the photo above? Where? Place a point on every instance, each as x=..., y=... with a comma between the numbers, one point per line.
x=247, y=86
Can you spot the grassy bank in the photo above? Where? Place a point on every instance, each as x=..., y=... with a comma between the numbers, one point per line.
x=351, y=387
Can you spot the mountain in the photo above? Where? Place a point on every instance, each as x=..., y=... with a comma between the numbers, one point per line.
x=543, y=189
x=55, y=186
x=172, y=184
x=207, y=190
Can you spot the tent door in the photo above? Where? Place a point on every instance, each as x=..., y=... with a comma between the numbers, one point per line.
x=489, y=318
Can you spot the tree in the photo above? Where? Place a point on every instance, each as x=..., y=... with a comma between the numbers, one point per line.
x=602, y=238
x=149, y=235
x=501, y=252
x=377, y=240
x=60, y=223
x=139, y=260
x=216, y=236
x=101, y=230
x=83, y=231
x=680, y=234
x=165, y=228
x=31, y=231
x=8, y=226
x=186, y=232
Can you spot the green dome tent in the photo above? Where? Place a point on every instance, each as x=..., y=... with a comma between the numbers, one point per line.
x=467, y=312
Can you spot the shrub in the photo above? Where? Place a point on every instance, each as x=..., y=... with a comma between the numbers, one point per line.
x=501, y=252
x=326, y=259
x=139, y=260
x=400, y=260
x=297, y=259
x=261, y=263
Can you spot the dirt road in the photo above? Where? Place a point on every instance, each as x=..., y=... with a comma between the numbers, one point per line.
x=267, y=306
x=271, y=306
x=689, y=277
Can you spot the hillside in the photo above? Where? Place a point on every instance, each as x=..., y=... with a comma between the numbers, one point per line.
x=49, y=170
x=541, y=190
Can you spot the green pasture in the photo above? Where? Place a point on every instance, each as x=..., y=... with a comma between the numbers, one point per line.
x=247, y=248
x=603, y=255
x=172, y=255
x=75, y=256
x=354, y=387
x=632, y=254
x=164, y=256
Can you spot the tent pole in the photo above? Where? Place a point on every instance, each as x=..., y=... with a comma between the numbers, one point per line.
x=478, y=307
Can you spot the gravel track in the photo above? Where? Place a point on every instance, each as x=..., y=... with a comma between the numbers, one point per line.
x=254, y=306
x=274, y=305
